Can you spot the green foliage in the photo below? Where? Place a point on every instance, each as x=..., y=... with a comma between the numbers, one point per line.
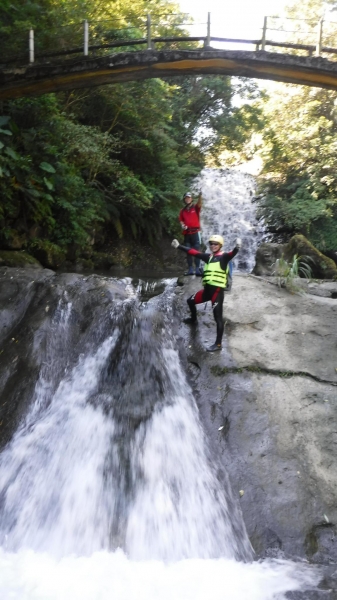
x=299, y=182
x=114, y=160
x=39, y=186
x=287, y=272
x=216, y=112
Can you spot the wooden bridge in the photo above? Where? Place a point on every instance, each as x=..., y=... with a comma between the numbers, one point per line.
x=66, y=69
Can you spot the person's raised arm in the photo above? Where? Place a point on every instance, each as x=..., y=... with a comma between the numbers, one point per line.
x=202, y=255
x=199, y=202
x=227, y=256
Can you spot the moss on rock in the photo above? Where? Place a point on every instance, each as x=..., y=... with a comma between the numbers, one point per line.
x=103, y=260
x=321, y=266
x=50, y=255
x=13, y=258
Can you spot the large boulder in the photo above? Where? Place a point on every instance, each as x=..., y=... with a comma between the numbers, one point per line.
x=14, y=240
x=332, y=254
x=266, y=256
x=50, y=255
x=13, y=258
x=321, y=266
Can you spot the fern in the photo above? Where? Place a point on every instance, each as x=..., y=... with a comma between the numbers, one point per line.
x=119, y=227
x=287, y=272
x=133, y=228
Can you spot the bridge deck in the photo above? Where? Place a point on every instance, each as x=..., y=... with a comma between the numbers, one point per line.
x=37, y=79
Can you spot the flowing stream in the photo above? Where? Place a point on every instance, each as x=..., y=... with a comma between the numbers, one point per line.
x=107, y=488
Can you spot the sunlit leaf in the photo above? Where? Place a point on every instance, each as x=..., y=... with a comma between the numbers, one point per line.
x=12, y=153
x=48, y=183
x=47, y=167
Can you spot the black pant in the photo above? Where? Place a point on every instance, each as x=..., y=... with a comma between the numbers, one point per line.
x=216, y=295
x=192, y=240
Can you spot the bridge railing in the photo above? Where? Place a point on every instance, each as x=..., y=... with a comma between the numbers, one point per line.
x=96, y=38
x=306, y=36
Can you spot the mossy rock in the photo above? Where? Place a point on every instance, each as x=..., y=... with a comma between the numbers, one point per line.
x=103, y=260
x=83, y=264
x=50, y=255
x=13, y=258
x=321, y=266
x=14, y=240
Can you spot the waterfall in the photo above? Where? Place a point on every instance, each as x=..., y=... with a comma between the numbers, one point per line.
x=96, y=455
x=180, y=510
x=228, y=210
x=107, y=488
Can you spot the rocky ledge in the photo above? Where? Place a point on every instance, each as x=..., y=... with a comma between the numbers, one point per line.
x=268, y=402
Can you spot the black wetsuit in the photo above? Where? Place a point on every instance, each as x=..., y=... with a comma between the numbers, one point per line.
x=211, y=292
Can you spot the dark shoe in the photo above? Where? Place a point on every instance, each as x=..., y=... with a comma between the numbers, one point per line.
x=198, y=273
x=189, y=272
x=214, y=348
x=190, y=321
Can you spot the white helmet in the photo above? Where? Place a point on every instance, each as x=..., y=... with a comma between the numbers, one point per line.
x=218, y=239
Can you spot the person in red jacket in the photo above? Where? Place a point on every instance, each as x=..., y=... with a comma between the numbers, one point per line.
x=189, y=218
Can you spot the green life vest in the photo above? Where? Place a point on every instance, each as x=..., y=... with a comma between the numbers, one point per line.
x=214, y=274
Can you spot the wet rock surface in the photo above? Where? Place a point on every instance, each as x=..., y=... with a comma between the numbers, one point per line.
x=268, y=403
x=29, y=299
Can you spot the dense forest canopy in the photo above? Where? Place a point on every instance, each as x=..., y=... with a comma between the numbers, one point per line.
x=79, y=168
x=298, y=149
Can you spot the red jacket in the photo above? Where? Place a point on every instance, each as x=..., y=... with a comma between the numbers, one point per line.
x=190, y=217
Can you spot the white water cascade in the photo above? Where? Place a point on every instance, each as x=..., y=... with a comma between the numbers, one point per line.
x=228, y=210
x=107, y=488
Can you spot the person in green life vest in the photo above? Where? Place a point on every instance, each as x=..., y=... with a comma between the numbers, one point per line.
x=214, y=281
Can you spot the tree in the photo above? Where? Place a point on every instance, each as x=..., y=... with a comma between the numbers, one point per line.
x=118, y=157
x=298, y=147
x=298, y=181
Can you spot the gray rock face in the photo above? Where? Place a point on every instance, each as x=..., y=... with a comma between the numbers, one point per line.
x=268, y=401
x=273, y=393
x=28, y=301
x=266, y=256
x=321, y=266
